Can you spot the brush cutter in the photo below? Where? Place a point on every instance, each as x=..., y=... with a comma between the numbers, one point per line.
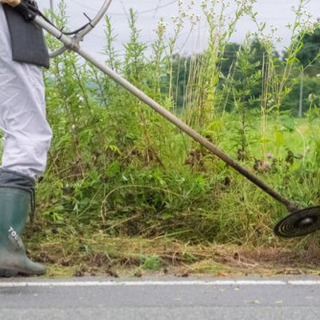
x=299, y=222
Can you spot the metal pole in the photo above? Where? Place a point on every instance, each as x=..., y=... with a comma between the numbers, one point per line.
x=93, y=23
x=51, y=5
x=165, y=113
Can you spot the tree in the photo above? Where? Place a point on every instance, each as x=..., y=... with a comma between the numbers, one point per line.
x=229, y=57
x=247, y=68
x=309, y=53
x=308, y=57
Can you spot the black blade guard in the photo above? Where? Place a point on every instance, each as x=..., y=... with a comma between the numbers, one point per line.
x=299, y=223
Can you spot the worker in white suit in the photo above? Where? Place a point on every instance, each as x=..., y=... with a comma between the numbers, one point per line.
x=27, y=137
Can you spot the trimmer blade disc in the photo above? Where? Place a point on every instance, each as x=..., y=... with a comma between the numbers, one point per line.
x=299, y=223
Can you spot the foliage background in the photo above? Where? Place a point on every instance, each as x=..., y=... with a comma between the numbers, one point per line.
x=119, y=170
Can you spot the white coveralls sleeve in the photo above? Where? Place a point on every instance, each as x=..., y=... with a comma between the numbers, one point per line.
x=27, y=134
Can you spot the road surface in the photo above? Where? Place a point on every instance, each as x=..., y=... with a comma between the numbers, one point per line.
x=279, y=299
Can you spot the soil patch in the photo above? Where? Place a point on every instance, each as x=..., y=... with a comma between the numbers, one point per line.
x=101, y=255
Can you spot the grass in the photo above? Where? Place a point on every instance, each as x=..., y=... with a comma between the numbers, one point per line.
x=126, y=193
x=196, y=222
x=140, y=257
x=185, y=221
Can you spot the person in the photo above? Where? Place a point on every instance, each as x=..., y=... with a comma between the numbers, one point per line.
x=27, y=136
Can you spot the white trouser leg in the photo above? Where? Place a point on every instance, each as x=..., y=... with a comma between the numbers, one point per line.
x=27, y=134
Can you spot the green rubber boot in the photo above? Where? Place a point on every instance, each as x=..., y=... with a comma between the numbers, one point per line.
x=15, y=199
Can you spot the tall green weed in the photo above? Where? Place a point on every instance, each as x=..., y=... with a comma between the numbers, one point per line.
x=117, y=166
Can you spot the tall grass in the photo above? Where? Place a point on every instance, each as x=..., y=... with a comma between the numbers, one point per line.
x=117, y=167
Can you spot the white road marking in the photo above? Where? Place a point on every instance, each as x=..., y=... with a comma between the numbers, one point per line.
x=8, y=284
x=304, y=282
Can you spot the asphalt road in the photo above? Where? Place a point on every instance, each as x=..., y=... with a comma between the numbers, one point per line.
x=166, y=299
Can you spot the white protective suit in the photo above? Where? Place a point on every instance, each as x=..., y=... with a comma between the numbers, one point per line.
x=27, y=134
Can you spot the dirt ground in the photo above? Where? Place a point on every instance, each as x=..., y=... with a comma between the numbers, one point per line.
x=101, y=256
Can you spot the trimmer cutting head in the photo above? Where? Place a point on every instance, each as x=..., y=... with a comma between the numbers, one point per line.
x=299, y=223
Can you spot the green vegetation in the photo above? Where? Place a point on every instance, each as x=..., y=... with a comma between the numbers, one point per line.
x=119, y=173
